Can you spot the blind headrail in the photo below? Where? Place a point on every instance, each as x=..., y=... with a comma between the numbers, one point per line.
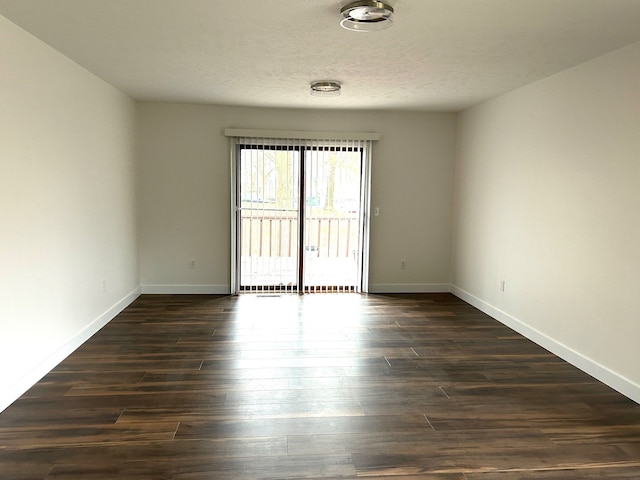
x=300, y=134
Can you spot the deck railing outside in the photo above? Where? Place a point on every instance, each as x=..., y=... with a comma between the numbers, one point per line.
x=269, y=249
x=275, y=234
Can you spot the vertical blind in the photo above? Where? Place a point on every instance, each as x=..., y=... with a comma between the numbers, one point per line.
x=300, y=211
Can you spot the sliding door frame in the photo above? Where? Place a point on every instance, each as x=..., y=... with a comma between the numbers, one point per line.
x=299, y=140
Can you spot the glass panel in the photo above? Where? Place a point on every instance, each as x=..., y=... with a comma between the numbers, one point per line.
x=332, y=218
x=269, y=204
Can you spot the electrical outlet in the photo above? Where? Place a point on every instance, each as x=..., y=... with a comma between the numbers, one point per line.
x=403, y=264
x=192, y=263
x=502, y=285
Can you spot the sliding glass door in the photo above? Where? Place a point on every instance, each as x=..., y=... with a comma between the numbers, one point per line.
x=332, y=218
x=299, y=217
x=268, y=217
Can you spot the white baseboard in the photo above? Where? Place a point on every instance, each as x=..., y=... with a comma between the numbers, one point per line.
x=186, y=289
x=409, y=288
x=607, y=376
x=10, y=393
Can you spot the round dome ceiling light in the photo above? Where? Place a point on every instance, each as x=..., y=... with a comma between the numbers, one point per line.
x=325, y=88
x=366, y=16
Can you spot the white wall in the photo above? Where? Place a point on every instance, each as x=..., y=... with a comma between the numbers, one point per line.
x=184, y=204
x=67, y=207
x=547, y=199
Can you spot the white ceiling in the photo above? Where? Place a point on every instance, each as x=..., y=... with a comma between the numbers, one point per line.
x=440, y=55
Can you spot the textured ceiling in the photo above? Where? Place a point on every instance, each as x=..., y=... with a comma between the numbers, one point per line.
x=439, y=55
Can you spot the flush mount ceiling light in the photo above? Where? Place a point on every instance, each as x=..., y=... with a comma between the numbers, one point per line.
x=366, y=16
x=325, y=88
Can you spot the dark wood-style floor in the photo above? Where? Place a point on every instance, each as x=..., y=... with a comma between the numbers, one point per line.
x=405, y=387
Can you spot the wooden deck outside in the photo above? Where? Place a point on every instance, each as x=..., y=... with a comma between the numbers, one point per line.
x=269, y=250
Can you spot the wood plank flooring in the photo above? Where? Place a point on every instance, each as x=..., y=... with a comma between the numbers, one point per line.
x=402, y=387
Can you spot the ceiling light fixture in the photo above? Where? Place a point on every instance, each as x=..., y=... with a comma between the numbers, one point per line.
x=366, y=16
x=325, y=88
